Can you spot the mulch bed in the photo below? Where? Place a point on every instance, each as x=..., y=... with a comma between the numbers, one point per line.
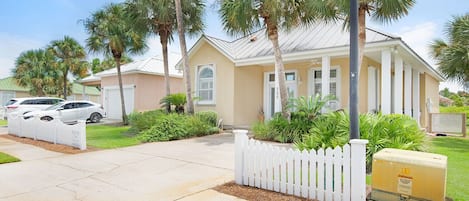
x=250, y=193
x=49, y=146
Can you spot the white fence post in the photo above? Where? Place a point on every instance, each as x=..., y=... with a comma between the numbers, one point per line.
x=358, y=169
x=241, y=139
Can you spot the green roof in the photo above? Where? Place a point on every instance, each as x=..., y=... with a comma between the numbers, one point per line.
x=9, y=84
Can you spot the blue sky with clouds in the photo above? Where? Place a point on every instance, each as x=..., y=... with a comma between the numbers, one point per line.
x=32, y=24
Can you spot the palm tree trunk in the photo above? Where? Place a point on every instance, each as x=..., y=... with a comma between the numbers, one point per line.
x=279, y=70
x=185, y=61
x=361, y=36
x=121, y=90
x=164, y=44
x=65, y=84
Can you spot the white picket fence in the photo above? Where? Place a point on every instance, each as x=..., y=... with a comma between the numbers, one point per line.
x=333, y=174
x=54, y=131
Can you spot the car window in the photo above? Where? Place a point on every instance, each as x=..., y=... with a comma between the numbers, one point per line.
x=43, y=102
x=68, y=106
x=28, y=102
x=10, y=102
x=83, y=105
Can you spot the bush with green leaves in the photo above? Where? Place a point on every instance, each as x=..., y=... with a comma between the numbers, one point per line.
x=167, y=127
x=140, y=121
x=209, y=117
x=177, y=100
x=280, y=129
x=198, y=126
x=308, y=106
x=381, y=131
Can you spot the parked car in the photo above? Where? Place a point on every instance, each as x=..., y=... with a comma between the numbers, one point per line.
x=70, y=111
x=24, y=105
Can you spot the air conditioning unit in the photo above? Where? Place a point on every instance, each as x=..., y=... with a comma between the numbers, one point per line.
x=400, y=175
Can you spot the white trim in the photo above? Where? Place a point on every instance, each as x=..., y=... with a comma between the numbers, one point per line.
x=338, y=81
x=398, y=80
x=267, y=85
x=408, y=90
x=386, y=59
x=373, y=85
x=416, y=95
x=325, y=75
x=198, y=68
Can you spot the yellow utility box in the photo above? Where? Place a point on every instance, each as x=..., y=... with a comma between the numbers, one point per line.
x=408, y=175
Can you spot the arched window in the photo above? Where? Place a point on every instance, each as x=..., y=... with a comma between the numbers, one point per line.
x=205, y=84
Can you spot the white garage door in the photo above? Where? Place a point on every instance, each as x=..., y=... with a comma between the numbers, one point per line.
x=112, y=101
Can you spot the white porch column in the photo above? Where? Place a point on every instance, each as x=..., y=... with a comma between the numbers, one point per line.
x=277, y=101
x=398, y=66
x=386, y=81
x=408, y=90
x=416, y=96
x=325, y=77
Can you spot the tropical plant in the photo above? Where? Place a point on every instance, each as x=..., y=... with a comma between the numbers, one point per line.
x=308, y=106
x=182, y=43
x=382, y=131
x=383, y=11
x=209, y=117
x=140, y=121
x=108, y=63
x=159, y=18
x=167, y=127
x=245, y=16
x=70, y=59
x=112, y=32
x=452, y=55
x=38, y=71
x=177, y=100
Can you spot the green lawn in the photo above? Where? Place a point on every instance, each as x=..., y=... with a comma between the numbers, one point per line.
x=109, y=137
x=457, y=150
x=3, y=122
x=5, y=158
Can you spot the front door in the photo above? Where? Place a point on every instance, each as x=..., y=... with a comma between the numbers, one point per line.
x=271, y=95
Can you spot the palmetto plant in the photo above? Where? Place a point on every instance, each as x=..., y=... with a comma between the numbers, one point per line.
x=453, y=55
x=159, y=18
x=111, y=31
x=70, y=58
x=309, y=106
x=38, y=71
x=245, y=16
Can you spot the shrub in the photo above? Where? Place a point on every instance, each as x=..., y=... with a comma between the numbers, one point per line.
x=177, y=100
x=199, y=127
x=381, y=131
x=140, y=121
x=262, y=131
x=280, y=129
x=167, y=127
x=309, y=106
x=209, y=117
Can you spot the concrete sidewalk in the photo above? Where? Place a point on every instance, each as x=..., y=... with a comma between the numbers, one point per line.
x=177, y=170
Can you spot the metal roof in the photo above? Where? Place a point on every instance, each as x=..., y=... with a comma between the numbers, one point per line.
x=152, y=65
x=9, y=84
x=317, y=36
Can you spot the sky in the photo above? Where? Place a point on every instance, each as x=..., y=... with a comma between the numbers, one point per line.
x=32, y=24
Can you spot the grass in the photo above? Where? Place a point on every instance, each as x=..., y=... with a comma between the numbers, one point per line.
x=5, y=158
x=3, y=122
x=457, y=149
x=109, y=137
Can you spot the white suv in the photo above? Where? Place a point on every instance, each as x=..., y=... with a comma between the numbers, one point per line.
x=24, y=105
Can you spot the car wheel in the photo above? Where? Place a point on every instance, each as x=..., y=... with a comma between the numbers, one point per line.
x=95, y=118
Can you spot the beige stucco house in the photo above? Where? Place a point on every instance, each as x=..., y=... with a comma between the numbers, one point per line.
x=236, y=78
x=143, y=83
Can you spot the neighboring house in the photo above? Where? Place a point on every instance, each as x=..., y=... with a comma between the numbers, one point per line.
x=236, y=79
x=143, y=83
x=10, y=89
x=446, y=101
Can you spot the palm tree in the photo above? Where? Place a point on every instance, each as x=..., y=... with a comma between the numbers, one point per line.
x=112, y=32
x=71, y=58
x=383, y=11
x=453, y=56
x=36, y=70
x=108, y=63
x=159, y=17
x=182, y=43
x=244, y=17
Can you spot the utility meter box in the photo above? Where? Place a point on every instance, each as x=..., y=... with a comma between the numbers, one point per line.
x=408, y=175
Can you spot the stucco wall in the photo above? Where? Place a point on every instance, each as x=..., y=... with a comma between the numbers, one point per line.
x=429, y=87
x=248, y=97
x=224, y=78
x=149, y=89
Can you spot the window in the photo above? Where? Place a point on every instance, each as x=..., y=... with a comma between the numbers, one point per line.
x=317, y=82
x=206, y=84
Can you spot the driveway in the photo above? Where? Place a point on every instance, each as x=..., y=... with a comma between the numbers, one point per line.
x=177, y=170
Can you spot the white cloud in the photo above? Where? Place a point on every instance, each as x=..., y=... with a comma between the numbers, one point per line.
x=418, y=37
x=11, y=48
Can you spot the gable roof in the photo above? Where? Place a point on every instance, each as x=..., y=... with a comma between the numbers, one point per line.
x=152, y=65
x=317, y=36
x=9, y=84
